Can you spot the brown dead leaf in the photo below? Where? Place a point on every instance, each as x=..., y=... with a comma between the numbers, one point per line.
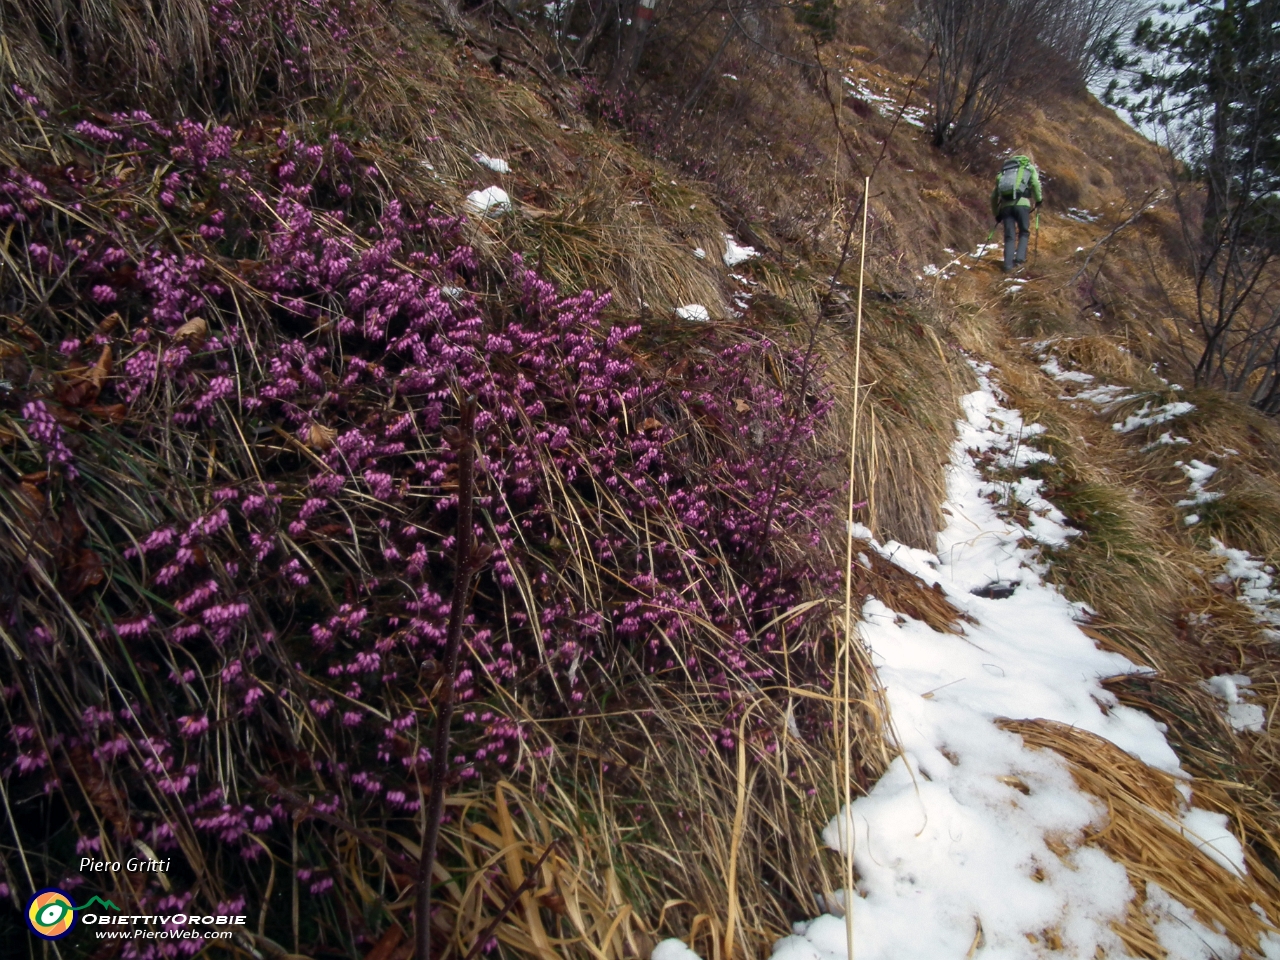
x=193, y=332
x=741, y=405
x=67, y=418
x=19, y=328
x=99, y=790
x=109, y=323
x=80, y=386
x=31, y=500
x=102, y=369
x=84, y=572
x=320, y=437
x=114, y=412
x=554, y=902
x=650, y=424
x=386, y=944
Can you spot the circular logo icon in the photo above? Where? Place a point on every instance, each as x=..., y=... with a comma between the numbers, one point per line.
x=51, y=914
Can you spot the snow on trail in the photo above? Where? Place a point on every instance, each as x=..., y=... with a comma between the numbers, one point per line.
x=955, y=837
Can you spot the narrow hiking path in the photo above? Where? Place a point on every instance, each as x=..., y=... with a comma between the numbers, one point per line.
x=978, y=841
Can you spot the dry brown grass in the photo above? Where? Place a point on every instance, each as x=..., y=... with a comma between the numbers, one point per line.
x=661, y=831
x=1141, y=833
x=912, y=383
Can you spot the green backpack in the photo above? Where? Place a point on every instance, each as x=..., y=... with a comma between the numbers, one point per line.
x=1015, y=177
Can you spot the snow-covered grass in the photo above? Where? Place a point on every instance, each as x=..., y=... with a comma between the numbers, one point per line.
x=971, y=839
x=496, y=164
x=1147, y=416
x=1052, y=368
x=735, y=253
x=1243, y=715
x=693, y=311
x=886, y=104
x=1199, y=474
x=489, y=202
x=1255, y=585
x=1082, y=216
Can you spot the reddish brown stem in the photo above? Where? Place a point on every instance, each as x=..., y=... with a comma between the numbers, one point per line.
x=529, y=883
x=464, y=442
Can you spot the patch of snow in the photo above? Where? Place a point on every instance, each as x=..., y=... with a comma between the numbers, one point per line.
x=886, y=105
x=1199, y=474
x=673, y=949
x=930, y=270
x=1254, y=585
x=1147, y=417
x=489, y=202
x=1211, y=832
x=495, y=164
x=1105, y=396
x=1081, y=216
x=700, y=253
x=1180, y=933
x=859, y=531
x=693, y=311
x=1243, y=716
x=954, y=834
x=1065, y=376
x=1166, y=439
x=735, y=254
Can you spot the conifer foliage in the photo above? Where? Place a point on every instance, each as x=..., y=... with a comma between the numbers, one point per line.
x=1211, y=84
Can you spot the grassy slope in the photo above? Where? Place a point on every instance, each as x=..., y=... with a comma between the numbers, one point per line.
x=1098, y=287
x=598, y=208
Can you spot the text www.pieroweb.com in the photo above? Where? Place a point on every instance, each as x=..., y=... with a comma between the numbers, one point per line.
x=161, y=927
x=141, y=933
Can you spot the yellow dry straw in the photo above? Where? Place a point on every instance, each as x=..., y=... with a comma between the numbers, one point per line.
x=845, y=694
x=1142, y=834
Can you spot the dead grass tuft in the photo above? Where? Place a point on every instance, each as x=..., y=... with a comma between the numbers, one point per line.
x=1142, y=834
x=913, y=379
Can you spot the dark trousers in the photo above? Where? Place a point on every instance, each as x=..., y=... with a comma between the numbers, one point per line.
x=1015, y=219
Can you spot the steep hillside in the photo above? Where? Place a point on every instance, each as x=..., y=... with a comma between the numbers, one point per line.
x=263, y=261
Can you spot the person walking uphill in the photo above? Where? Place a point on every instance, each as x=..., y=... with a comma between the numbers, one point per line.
x=1016, y=186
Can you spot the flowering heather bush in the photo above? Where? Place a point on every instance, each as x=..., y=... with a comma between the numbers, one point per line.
x=233, y=503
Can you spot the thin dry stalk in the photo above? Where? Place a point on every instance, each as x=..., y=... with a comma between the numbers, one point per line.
x=846, y=666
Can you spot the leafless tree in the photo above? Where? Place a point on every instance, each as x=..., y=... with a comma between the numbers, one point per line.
x=992, y=53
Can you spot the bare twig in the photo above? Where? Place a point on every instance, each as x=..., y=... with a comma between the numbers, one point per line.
x=529, y=882
x=463, y=440
x=307, y=809
x=1151, y=199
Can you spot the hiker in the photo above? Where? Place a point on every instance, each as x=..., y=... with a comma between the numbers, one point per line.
x=1017, y=184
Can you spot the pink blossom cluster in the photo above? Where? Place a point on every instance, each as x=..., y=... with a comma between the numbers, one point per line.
x=647, y=509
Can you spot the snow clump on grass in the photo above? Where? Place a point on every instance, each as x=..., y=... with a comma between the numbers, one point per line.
x=489, y=202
